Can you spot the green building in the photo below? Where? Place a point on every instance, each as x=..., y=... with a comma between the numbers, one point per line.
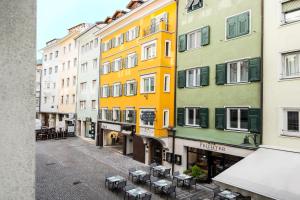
x=218, y=97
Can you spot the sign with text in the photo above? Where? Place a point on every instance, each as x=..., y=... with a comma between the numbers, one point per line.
x=212, y=147
x=112, y=127
x=147, y=131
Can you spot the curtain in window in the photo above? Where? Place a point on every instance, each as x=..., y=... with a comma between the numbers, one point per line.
x=233, y=72
x=244, y=71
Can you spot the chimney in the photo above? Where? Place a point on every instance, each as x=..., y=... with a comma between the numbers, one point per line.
x=133, y=4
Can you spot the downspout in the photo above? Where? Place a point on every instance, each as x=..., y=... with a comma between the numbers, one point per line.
x=99, y=65
x=175, y=75
x=262, y=71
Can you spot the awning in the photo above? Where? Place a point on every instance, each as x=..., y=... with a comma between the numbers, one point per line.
x=267, y=172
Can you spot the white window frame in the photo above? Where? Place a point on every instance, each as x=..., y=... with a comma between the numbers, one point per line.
x=153, y=50
x=167, y=82
x=131, y=34
x=285, y=131
x=119, y=61
x=94, y=84
x=95, y=63
x=114, y=117
x=116, y=89
x=103, y=113
x=127, y=110
x=82, y=105
x=166, y=118
x=83, y=87
x=106, y=68
x=94, y=104
x=131, y=60
x=168, y=48
x=105, y=90
x=141, y=122
x=194, y=77
x=194, y=124
x=239, y=118
x=283, y=68
x=147, y=76
x=128, y=83
x=238, y=80
x=197, y=43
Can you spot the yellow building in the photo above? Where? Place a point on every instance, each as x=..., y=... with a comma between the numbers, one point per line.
x=137, y=79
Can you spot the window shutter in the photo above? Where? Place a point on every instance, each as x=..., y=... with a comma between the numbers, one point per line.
x=220, y=118
x=121, y=63
x=122, y=38
x=120, y=89
x=127, y=36
x=205, y=35
x=254, y=69
x=125, y=89
x=231, y=27
x=109, y=67
x=243, y=24
x=180, y=116
x=254, y=120
x=108, y=91
x=181, y=79
x=137, y=31
x=203, y=117
x=112, y=91
x=221, y=74
x=112, y=65
x=182, y=43
x=204, y=76
x=136, y=60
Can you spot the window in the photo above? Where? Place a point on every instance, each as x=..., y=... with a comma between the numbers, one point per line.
x=50, y=57
x=148, y=83
x=53, y=99
x=56, y=69
x=69, y=64
x=62, y=83
x=74, y=80
x=194, y=39
x=130, y=116
x=106, y=68
x=131, y=60
x=50, y=70
x=73, y=98
x=94, y=84
x=54, y=85
x=291, y=65
x=291, y=124
x=64, y=50
x=94, y=104
x=167, y=83
x=104, y=113
x=116, y=115
x=67, y=99
x=192, y=117
x=56, y=54
x=237, y=119
x=291, y=11
x=117, y=90
x=238, y=25
x=96, y=42
x=45, y=100
x=105, y=91
x=194, y=5
x=75, y=62
x=82, y=105
x=45, y=57
x=147, y=118
x=168, y=48
x=45, y=72
x=83, y=87
x=132, y=34
x=82, y=49
x=70, y=46
x=119, y=40
x=117, y=65
x=95, y=63
x=149, y=50
x=237, y=72
x=166, y=118
x=84, y=67
x=63, y=67
x=68, y=82
x=130, y=88
x=193, y=77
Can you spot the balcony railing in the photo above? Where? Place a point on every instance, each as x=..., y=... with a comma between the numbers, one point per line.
x=118, y=116
x=154, y=28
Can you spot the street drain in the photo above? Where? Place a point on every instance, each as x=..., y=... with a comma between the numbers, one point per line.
x=76, y=182
x=50, y=164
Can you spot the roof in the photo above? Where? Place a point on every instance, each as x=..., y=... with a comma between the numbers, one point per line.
x=122, y=12
x=268, y=172
x=132, y=2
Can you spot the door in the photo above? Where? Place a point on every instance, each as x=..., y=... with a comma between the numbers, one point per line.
x=156, y=151
x=138, y=149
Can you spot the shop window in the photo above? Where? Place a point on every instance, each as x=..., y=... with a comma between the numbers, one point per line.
x=237, y=119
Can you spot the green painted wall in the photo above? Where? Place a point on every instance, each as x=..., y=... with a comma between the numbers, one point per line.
x=220, y=50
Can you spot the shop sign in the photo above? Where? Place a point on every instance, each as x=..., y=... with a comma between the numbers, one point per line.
x=113, y=127
x=212, y=147
x=71, y=129
x=147, y=131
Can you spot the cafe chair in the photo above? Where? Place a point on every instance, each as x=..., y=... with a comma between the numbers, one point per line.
x=151, y=181
x=106, y=178
x=165, y=173
x=152, y=165
x=169, y=191
x=130, y=170
x=190, y=183
x=127, y=188
x=147, y=196
x=120, y=185
x=145, y=179
x=175, y=174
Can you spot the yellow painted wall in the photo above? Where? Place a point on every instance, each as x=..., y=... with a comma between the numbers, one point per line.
x=159, y=65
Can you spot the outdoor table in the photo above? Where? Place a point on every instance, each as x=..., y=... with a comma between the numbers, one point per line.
x=161, y=183
x=136, y=193
x=114, y=180
x=228, y=194
x=182, y=178
x=159, y=168
x=138, y=173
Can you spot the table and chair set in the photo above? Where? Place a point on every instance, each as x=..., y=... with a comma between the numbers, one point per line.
x=46, y=133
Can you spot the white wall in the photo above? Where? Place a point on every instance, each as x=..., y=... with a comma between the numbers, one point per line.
x=278, y=93
x=17, y=99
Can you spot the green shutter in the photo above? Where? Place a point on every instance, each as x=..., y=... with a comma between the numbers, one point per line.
x=204, y=76
x=254, y=120
x=182, y=43
x=220, y=118
x=221, y=74
x=203, y=113
x=180, y=116
x=254, y=69
x=243, y=24
x=205, y=35
x=181, y=79
x=231, y=27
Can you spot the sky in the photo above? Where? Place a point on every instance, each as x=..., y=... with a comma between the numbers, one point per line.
x=54, y=17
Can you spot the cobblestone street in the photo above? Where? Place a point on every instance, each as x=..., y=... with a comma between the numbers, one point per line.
x=75, y=169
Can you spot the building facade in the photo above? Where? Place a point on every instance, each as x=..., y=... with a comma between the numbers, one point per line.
x=88, y=83
x=137, y=79
x=218, y=101
x=38, y=79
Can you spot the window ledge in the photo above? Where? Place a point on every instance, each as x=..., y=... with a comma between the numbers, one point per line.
x=237, y=131
x=289, y=78
x=192, y=126
x=238, y=37
x=147, y=92
x=150, y=127
x=241, y=83
x=284, y=24
x=194, y=87
x=290, y=134
x=143, y=60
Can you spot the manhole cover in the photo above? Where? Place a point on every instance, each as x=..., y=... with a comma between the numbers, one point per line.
x=76, y=182
x=50, y=164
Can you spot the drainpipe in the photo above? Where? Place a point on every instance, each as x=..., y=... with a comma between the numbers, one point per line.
x=175, y=75
x=262, y=71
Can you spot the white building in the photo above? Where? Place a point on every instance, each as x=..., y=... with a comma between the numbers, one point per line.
x=273, y=171
x=88, y=82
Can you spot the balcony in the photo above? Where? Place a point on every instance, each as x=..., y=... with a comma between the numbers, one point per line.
x=154, y=28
